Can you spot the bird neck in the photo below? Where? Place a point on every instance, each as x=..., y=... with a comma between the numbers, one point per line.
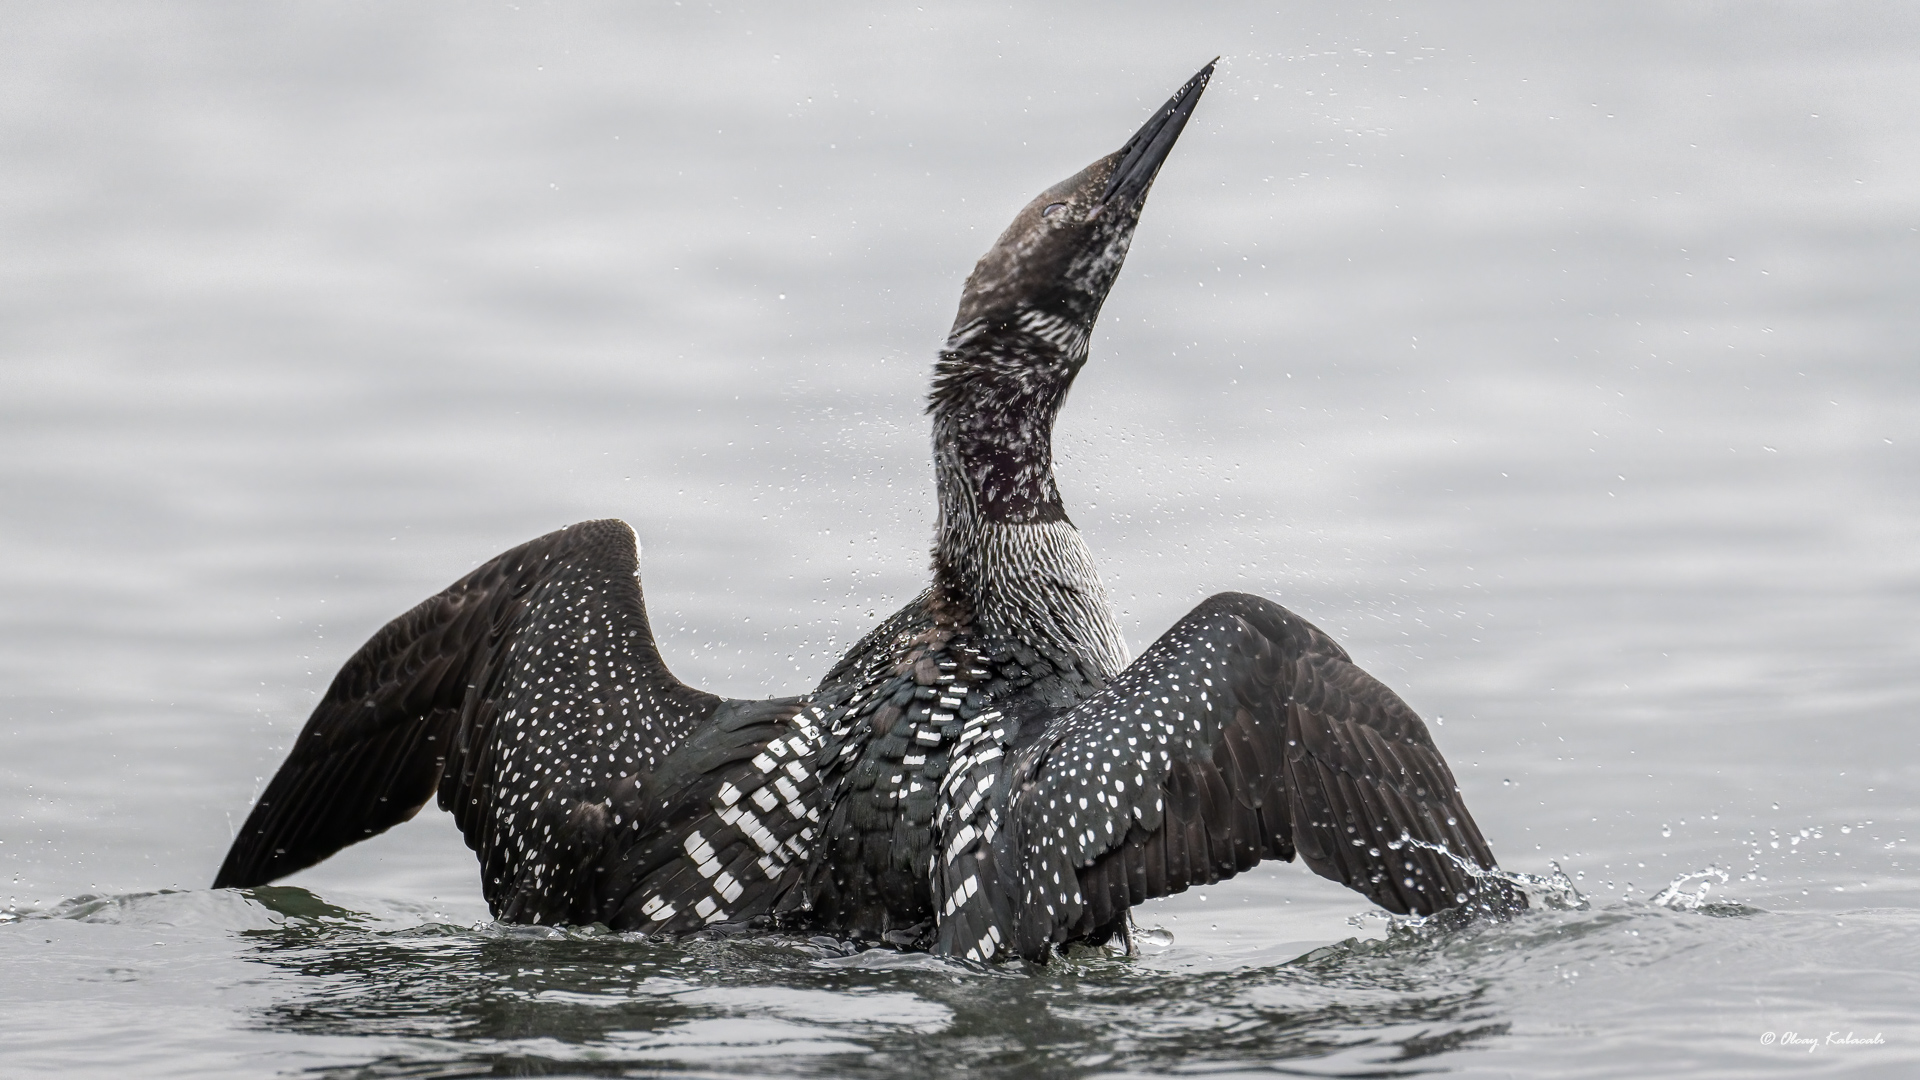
x=997, y=388
x=1007, y=561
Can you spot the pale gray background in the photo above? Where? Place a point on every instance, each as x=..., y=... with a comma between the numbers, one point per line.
x=1559, y=359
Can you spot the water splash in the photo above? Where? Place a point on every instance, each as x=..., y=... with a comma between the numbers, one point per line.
x=1677, y=897
x=1554, y=892
x=1153, y=939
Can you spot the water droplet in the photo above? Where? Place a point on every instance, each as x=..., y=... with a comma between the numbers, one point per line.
x=1153, y=938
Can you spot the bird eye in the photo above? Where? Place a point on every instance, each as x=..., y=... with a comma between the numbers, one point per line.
x=1051, y=207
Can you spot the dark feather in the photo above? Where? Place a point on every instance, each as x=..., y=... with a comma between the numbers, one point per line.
x=553, y=635
x=1256, y=737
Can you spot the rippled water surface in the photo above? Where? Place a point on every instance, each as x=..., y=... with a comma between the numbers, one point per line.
x=1558, y=359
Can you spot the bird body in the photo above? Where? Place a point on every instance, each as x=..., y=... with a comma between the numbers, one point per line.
x=985, y=774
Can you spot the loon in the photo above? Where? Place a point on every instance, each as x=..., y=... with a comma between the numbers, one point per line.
x=984, y=775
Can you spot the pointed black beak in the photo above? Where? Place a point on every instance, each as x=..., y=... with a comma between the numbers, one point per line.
x=1140, y=159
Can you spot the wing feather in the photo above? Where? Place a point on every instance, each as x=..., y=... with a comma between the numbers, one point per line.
x=419, y=707
x=715, y=835
x=1250, y=735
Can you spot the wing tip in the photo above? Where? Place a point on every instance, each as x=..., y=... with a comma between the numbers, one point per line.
x=240, y=871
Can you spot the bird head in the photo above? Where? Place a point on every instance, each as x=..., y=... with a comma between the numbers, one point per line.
x=1025, y=316
x=1058, y=259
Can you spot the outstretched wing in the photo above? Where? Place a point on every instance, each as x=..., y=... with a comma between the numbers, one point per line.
x=525, y=689
x=1243, y=734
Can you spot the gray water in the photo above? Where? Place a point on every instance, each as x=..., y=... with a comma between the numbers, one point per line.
x=1559, y=359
